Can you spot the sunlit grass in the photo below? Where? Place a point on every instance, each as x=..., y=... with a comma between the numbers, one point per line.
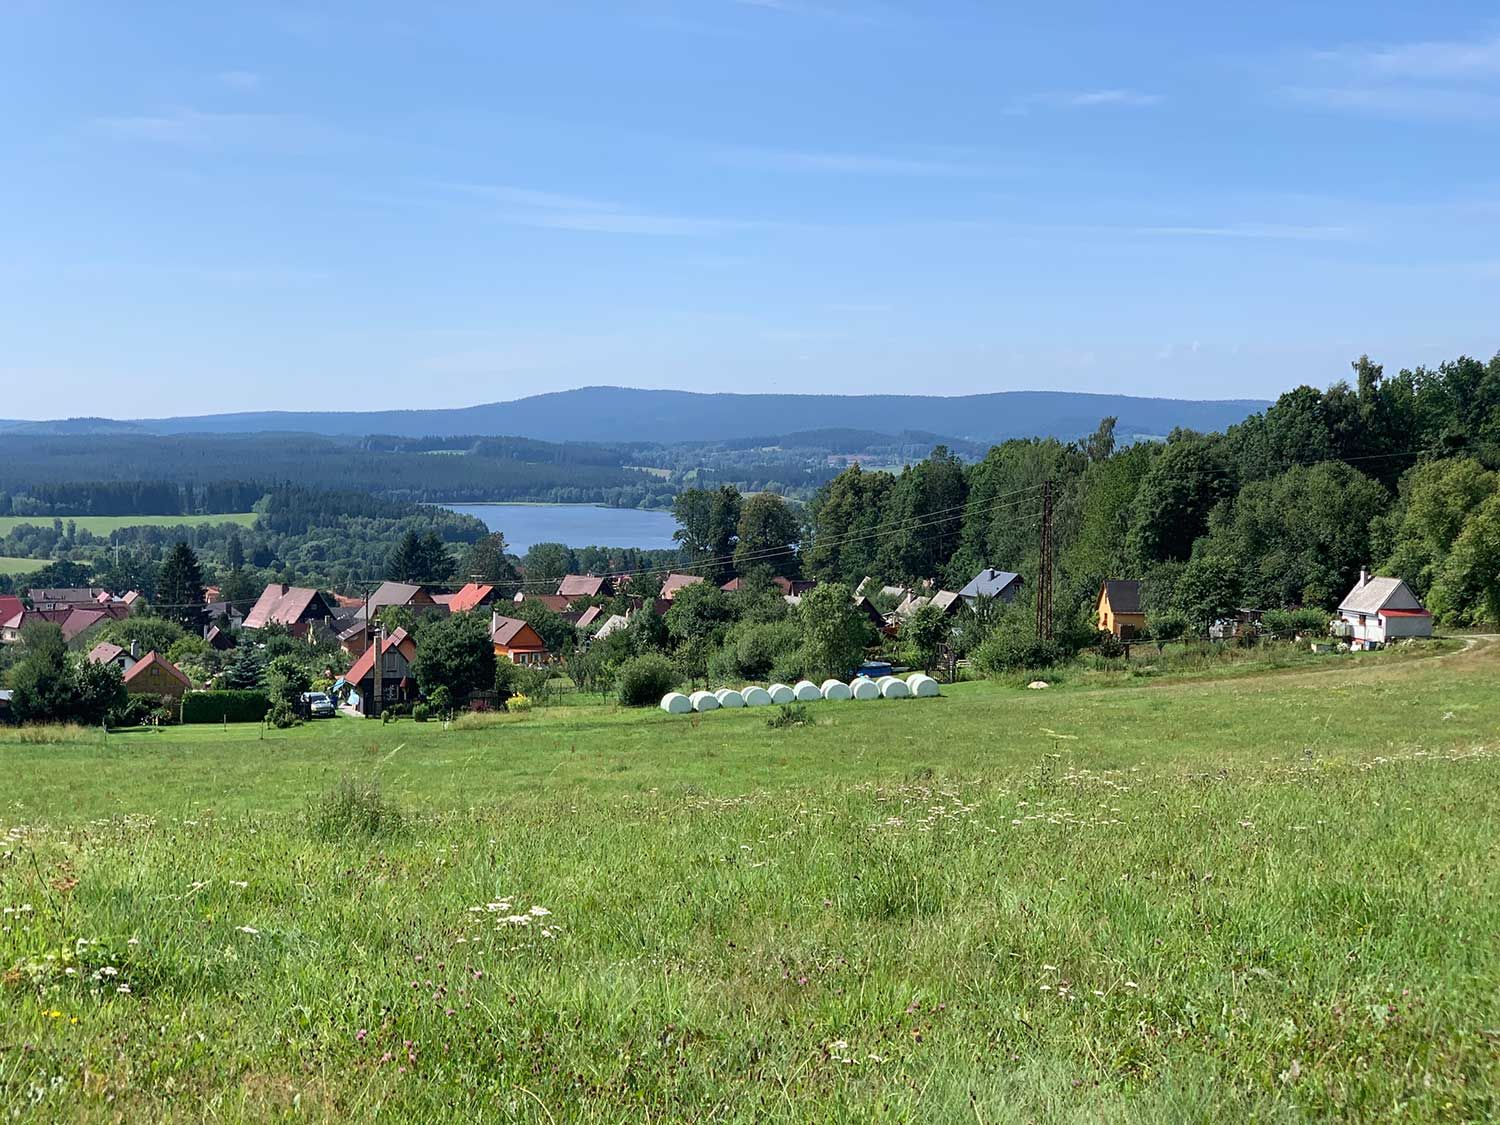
x=1269, y=897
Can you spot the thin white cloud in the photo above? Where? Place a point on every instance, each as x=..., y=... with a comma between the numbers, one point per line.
x=852, y=163
x=1400, y=100
x=547, y=210
x=239, y=79
x=1433, y=60
x=1453, y=79
x=1275, y=231
x=196, y=128
x=1117, y=98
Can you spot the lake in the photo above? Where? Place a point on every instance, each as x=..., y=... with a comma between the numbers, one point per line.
x=577, y=525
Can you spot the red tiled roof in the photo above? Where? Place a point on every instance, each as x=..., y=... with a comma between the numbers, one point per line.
x=590, y=615
x=582, y=586
x=1403, y=613
x=80, y=621
x=506, y=632
x=555, y=602
x=365, y=665
x=155, y=658
x=103, y=653
x=279, y=605
x=675, y=582
x=472, y=596
x=10, y=606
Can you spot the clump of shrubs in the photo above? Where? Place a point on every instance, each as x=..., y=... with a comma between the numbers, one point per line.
x=788, y=715
x=355, y=809
x=1007, y=650
x=518, y=704
x=642, y=682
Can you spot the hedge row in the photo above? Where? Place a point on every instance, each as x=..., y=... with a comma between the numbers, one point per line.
x=217, y=706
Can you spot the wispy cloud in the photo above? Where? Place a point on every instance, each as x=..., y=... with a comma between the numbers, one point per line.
x=239, y=79
x=1276, y=231
x=852, y=163
x=1120, y=98
x=193, y=127
x=1432, y=60
x=1457, y=79
x=546, y=210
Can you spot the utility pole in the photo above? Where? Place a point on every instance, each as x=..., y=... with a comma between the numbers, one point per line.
x=1044, y=570
x=377, y=692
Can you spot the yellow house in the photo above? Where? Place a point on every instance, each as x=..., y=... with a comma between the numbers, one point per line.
x=1120, y=609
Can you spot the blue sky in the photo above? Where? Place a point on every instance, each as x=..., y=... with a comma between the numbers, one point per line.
x=225, y=206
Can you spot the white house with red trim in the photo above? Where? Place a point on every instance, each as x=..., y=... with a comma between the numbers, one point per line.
x=1379, y=610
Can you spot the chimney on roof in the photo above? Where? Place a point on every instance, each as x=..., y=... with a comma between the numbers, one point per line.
x=1364, y=575
x=135, y=650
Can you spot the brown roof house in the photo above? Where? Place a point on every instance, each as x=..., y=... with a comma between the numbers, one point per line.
x=398, y=684
x=674, y=582
x=517, y=641
x=296, y=607
x=154, y=674
x=106, y=653
x=576, y=586
x=1120, y=608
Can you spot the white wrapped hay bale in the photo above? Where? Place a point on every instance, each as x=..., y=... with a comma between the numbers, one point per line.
x=806, y=692
x=675, y=703
x=863, y=688
x=728, y=697
x=836, y=690
x=704, y=701
x=780, y=693
x=755, y=696
x=893, y=688
x=922, y=686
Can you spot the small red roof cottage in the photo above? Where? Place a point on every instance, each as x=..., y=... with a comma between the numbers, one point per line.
x=517, y=641
x=154, y=674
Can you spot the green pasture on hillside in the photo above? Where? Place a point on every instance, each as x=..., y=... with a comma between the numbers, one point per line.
x=1270, y=896
x=103, y=525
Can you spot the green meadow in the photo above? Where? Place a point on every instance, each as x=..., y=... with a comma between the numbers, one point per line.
x=103, y=525
x=12, y=565
x=1271, y=895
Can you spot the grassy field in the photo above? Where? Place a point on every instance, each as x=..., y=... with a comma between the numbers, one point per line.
x=103, y=525
x=1273, y=896
x=11, y=565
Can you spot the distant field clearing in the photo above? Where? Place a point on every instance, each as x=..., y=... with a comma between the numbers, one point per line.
x=103, y=525
x=9, y=565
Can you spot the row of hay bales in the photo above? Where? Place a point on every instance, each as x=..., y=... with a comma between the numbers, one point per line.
x=915, y=686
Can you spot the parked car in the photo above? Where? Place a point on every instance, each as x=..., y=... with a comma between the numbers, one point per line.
x=318, y=705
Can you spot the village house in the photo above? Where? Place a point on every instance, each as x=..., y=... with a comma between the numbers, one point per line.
x=576, y=587
x=787, y=587
x=295, y=607
x=66, y=598
x=992, y=583
x=1379, y=610
x=674, y=582
x=404, y=595
x=589, y=616
x=555, y=602
x=154, y=674
x=106, y=653
x=1119, y=608
x=472, y=596
x=398, y=684
x=517, y=641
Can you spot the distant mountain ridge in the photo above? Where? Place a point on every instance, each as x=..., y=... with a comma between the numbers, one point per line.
x=614, y=414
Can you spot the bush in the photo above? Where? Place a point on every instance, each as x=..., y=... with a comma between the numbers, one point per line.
x=788, y=715
x=135, y=711
x=517, y=704
x=1007, y=650
x=643, y=681
x=1286, y=623
x=283, y=715
x=421, y=712
x=355, y=809
x=217, y=706
x=1109, y=646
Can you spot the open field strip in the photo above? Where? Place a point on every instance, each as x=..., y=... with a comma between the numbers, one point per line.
x=1275, y=896
x=103, y=525
x=11, y=565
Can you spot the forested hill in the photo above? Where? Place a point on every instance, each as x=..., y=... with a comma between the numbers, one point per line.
x=613, y=414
